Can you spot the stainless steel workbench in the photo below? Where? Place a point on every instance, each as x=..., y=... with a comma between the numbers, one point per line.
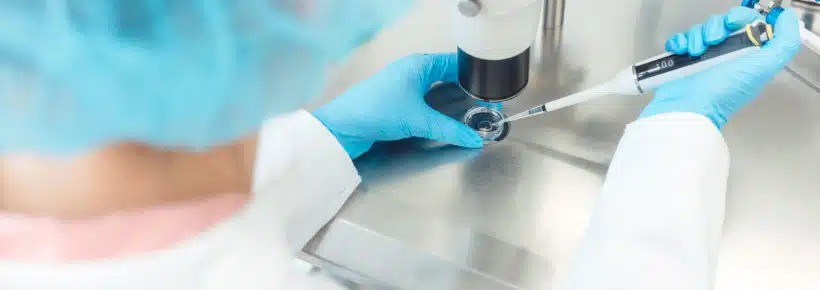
x=510, y=217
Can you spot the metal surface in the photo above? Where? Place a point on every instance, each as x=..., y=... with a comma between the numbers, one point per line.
x=806, y=66
x=510, y=217
x=806, y=2
x=553, y=13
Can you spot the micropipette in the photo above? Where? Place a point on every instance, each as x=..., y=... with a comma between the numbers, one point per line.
x=650, y=74
x=772, y=11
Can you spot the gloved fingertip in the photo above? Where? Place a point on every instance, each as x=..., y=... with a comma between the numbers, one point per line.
x=786, y=41
x=441, y=128
x=739, y=17
x=787, y=27
x=473, y=141
x=447, y=58
x=439, y=67
x=467, y=137
x=695, y=39
x=677, y=44
x=714, y=31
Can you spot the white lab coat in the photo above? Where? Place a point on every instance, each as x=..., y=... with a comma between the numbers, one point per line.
x=658, y=221
x=656, y=226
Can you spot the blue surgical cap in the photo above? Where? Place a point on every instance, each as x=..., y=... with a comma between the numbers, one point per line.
x=79, y=74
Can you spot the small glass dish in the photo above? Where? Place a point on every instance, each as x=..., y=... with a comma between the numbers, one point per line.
x=484, y=120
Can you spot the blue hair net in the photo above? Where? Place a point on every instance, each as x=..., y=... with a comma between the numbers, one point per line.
x=79, y=74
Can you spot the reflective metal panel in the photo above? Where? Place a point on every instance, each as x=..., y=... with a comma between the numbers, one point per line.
x=510, y=217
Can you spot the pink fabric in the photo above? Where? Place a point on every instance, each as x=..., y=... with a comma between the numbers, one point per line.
x=35, y=239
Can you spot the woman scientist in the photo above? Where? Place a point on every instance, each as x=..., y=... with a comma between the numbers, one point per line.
x=132, y=132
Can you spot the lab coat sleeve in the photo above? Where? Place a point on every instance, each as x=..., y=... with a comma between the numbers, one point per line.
x=659, y=218
x=303, y=174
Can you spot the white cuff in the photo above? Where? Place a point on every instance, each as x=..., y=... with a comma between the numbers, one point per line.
x=302, y=172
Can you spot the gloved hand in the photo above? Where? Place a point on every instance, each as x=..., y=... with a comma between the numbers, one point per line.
x=723, y=90
x=390, y=106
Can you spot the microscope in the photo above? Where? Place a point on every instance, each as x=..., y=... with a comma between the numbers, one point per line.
x=494, y=39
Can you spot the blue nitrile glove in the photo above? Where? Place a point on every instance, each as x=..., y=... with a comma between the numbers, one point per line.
x=723, y=90
x=390, y=106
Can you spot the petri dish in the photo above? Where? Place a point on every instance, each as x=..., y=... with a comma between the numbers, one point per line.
x=484, y=121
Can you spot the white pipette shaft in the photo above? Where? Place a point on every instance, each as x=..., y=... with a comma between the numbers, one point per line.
x=571, y=100
x=624, y=82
